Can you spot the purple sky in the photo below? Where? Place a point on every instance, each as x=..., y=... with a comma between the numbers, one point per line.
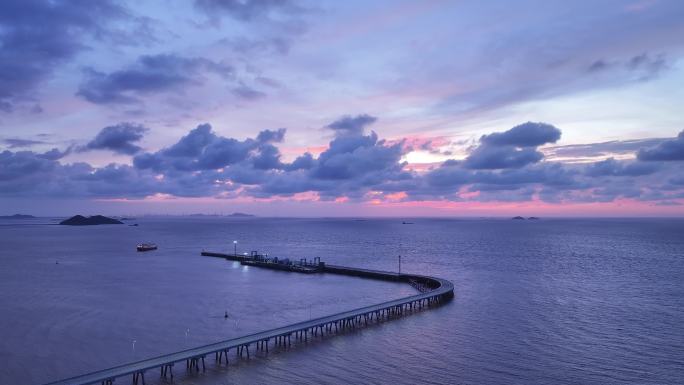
x=391, y=108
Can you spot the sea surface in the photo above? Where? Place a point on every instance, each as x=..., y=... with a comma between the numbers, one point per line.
x=553, y=301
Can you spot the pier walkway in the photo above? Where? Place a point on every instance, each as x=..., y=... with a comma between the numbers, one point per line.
x=434, y=291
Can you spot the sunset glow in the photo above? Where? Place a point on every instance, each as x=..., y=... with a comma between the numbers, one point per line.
x=389, y=108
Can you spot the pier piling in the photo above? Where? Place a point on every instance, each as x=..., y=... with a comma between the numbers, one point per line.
x=433, y=291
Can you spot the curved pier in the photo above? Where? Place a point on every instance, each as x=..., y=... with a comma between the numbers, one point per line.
x=434, y=291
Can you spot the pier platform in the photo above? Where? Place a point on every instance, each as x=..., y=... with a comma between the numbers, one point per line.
x=433, y=291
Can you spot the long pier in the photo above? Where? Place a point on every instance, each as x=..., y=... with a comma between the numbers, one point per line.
x=433, y=291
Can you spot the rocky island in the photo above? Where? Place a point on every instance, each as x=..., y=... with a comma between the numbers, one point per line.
x=80, y=220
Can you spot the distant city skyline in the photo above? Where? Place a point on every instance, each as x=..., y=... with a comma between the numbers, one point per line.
x=302, y=108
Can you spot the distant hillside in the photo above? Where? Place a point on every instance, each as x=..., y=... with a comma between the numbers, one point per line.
x=241, y=215
x=16, y=216
x=80, y=220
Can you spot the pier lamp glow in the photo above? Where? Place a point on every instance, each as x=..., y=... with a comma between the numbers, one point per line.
x=235, y=248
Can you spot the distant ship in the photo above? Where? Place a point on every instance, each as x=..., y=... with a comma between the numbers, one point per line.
x=146, y=247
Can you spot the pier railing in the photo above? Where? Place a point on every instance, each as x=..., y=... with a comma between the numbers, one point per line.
x=434, y=291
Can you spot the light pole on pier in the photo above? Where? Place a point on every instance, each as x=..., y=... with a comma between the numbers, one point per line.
x=400, y=264
x=235, y=247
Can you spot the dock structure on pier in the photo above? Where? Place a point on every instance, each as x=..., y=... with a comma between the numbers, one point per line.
x=263, y=260
x=433, y=291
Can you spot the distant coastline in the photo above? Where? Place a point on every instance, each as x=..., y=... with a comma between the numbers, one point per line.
x=233, y=215
x=17, y=216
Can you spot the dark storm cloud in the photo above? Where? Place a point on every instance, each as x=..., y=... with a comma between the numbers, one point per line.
x=38, y=35
x=669, y=150
x=352, y=125
x=149, y=75
x=119, y=138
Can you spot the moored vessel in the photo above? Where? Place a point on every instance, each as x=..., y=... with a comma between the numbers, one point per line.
x=146, y=247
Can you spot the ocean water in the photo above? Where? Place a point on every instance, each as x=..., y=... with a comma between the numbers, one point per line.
x=563, y=301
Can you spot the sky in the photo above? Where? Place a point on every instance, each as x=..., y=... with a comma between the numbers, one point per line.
x=354, y=108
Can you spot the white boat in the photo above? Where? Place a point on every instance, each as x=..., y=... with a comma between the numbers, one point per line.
x=146, y=247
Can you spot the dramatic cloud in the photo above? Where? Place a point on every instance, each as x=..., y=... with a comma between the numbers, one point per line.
x=119, y=138
x=352, y=125
x=488, y=157
x=352, y=156
x=612, y=167
x=525, y=135
x=38, y=35
x=271, y=136
x=202, y=149
x=354, y=167
x=149, y=75
x=514, y=148
x=670, y=150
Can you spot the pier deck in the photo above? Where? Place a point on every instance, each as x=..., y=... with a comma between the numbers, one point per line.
x=436, y=291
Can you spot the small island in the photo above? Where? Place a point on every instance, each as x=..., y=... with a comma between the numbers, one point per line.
x=518, y=218
x=533, y=218
x=240, y=215
x=17, y=216
x=80, y=220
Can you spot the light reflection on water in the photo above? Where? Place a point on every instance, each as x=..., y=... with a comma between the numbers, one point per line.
x=553, y=301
